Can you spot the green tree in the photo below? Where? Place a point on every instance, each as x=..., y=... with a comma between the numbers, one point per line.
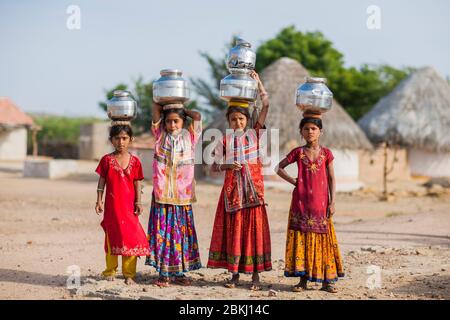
x=357, y=89
x=311, y=49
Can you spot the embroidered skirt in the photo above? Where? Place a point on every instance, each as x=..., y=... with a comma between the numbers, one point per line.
x=173, y=240
x=312, y=255
x=240, y=240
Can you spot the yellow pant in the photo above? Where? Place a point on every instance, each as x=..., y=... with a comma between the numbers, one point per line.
x=112, y=263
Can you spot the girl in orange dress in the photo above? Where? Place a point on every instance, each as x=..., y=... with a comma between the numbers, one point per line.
x=312, y=251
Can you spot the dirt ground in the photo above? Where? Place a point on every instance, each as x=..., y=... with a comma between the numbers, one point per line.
x=47, y=226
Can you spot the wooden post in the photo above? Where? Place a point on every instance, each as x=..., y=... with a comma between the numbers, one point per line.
x=34, y=131
x=385, y=172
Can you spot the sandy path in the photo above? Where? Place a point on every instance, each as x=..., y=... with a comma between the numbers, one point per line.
x=46, y=226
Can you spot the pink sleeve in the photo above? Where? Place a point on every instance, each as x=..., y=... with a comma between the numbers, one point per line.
x=102, y=168
x=138, y=174
x=293, y=155
x=330, y=156
x=156, y=129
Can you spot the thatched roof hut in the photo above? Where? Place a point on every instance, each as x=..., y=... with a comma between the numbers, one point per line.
x=281, y=80
x=415, y=114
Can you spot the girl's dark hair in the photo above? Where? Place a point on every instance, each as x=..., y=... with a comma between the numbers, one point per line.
x=180, y=112
x=117, y=129
x=315, y=121
x=242, y=110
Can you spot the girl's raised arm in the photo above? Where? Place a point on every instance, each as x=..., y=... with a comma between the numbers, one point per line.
x=264, y=99
x=283, y=174
x=156, y=112
x=194, y=115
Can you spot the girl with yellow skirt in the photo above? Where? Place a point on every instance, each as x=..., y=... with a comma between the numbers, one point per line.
x=312, y=251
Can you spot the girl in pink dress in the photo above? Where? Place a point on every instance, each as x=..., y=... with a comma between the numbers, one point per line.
x=171, y=229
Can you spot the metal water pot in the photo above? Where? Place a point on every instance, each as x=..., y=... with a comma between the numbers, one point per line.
x=121, y=106
x=241, y=56
x=314, y=95
x=238, y=86
x=170, y=88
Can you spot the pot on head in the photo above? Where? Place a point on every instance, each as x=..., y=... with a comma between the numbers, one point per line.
x=121, y=106
x=314, y=95
x=170, y=88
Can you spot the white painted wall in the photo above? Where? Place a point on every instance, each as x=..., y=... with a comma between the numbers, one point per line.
x=430, y=164
x=13, y=144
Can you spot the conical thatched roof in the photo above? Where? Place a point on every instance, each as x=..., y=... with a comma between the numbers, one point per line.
x=281, y=80
x=415, y=114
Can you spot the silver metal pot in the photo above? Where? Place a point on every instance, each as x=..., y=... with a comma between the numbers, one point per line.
x=170, y=88
x=238, y=86
x=241, y=56
x=121, y=106
x=314, y=95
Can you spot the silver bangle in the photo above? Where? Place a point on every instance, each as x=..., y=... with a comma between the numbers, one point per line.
x=98, y=189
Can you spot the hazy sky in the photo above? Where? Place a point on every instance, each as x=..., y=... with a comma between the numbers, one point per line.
x=45, y=66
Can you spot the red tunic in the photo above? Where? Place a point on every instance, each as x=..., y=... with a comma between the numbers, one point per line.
x=121, y=225
x=240, y=240
x=310, y=198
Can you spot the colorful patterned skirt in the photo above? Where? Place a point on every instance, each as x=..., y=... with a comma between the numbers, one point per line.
x=173, y=240
x=314, y=256
x=240, y=240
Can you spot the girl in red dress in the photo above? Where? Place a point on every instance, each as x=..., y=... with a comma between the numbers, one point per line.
x=121, y=173
x=312, y=251
x=241, y=238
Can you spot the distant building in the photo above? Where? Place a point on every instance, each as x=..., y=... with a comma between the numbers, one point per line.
x=143, y=147
x=14, y=124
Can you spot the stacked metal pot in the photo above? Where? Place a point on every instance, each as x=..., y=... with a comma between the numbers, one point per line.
x=239, y=86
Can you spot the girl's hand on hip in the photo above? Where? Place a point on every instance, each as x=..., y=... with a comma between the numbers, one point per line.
x=99, y=207
x=138, y=209
x=331, y=209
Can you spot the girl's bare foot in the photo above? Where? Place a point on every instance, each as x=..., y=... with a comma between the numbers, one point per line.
x=301, y=286
x=129, y=281
x=162, y=281
x=183, y=281
x=109, y=278
x=233, y=283
x=256, y=285
x=329, y=287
